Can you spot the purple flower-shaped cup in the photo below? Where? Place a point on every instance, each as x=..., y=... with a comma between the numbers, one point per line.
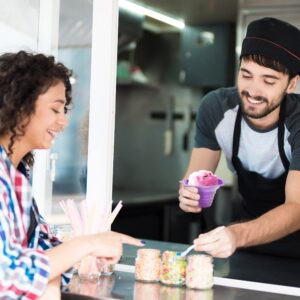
x=206, y=192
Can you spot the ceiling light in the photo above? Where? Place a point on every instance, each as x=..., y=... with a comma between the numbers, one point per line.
x=141, y=10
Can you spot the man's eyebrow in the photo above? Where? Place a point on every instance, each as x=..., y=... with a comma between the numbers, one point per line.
x=271, y=76
x=245, y=70
x=265, y=75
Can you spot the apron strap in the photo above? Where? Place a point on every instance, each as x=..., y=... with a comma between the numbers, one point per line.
x=280, y=138
x=236, y=137
x=282, y=154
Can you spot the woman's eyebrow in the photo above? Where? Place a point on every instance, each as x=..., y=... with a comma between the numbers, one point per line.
x=60, y=101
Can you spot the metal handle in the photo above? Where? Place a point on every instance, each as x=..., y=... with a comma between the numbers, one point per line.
x=53, y=159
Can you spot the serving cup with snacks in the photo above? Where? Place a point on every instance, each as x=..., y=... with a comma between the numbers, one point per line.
x=199, y=273
x=147, y=265
x=173, y=268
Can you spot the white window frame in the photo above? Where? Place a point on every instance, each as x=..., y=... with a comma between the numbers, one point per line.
x=47, y=44
x=102, y=103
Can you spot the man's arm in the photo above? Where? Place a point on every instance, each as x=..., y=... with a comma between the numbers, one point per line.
x=201, y=159
x=275, y=224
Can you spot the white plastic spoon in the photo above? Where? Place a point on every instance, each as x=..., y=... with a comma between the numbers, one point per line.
x=190, y=248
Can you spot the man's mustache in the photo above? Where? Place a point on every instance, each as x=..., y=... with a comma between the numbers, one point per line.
x=258, y=98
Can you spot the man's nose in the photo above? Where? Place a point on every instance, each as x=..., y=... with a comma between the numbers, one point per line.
x=254, y=89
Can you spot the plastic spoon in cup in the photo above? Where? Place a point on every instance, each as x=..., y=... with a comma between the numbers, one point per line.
x=184, y=253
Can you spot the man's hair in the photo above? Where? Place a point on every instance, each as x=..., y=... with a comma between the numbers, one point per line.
x=23, y=77
x=268, y=63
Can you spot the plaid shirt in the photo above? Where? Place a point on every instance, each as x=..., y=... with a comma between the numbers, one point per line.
x=24, y=266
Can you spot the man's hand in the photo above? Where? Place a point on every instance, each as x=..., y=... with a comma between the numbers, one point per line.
x=220, y=242
x=189, y=199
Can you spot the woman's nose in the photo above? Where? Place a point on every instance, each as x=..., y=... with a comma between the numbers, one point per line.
x=63, y=121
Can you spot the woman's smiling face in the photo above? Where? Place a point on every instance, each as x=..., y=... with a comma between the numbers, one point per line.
x=48, y=119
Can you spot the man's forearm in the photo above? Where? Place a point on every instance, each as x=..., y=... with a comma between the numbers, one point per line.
x=271, y=226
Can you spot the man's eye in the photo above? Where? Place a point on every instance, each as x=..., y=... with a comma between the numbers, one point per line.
x=246, y=76
x=55, y=110
x=269, y=82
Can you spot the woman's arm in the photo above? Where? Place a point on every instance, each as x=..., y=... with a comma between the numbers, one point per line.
x=107, y=245
x=52, y=291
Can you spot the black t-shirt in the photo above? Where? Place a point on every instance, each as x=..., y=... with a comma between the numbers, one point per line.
x=258, y=149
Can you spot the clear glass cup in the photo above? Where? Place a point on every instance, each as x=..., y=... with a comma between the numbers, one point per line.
x=199, y=272
x=105, y=268
x=147, y=265
x=173, y=268
x=89, y=269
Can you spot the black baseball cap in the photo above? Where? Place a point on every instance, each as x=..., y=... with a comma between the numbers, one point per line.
x=274, y=39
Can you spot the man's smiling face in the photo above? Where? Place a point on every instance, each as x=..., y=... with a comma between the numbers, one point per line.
x=261, y=89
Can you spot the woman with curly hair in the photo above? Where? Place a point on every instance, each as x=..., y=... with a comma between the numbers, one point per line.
x=35, y=94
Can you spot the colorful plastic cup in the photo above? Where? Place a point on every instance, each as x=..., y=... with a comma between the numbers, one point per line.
x=207, y=193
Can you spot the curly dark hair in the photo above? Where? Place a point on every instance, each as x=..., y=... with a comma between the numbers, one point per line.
x=23, y=77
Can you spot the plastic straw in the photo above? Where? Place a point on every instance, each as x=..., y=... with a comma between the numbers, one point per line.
x=115, y=213
x=73, y=210
x=68, y=214
x=84, y=216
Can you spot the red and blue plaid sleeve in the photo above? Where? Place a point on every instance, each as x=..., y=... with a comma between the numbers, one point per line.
x=46, y=241
x=24, y=271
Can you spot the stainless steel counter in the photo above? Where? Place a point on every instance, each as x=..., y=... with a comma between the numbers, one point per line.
x=243, y=276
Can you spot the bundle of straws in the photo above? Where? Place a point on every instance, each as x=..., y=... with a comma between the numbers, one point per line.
x=86, y=219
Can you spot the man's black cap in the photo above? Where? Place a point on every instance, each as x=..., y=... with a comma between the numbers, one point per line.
x=274, y=39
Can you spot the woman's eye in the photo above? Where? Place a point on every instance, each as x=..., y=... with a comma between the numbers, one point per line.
x=55, y=110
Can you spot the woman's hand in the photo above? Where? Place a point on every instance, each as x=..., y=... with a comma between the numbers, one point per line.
x=109, y=245
x=189, y=199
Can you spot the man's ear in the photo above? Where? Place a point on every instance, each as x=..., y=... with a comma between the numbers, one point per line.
x=292, y=84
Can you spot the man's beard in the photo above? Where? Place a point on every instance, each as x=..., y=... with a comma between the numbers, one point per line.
x=264, y=112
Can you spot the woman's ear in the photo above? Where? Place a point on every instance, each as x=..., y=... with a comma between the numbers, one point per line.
x=292, y=84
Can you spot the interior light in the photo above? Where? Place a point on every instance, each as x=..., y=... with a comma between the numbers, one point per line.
x=142, y=10
x=72, y=80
